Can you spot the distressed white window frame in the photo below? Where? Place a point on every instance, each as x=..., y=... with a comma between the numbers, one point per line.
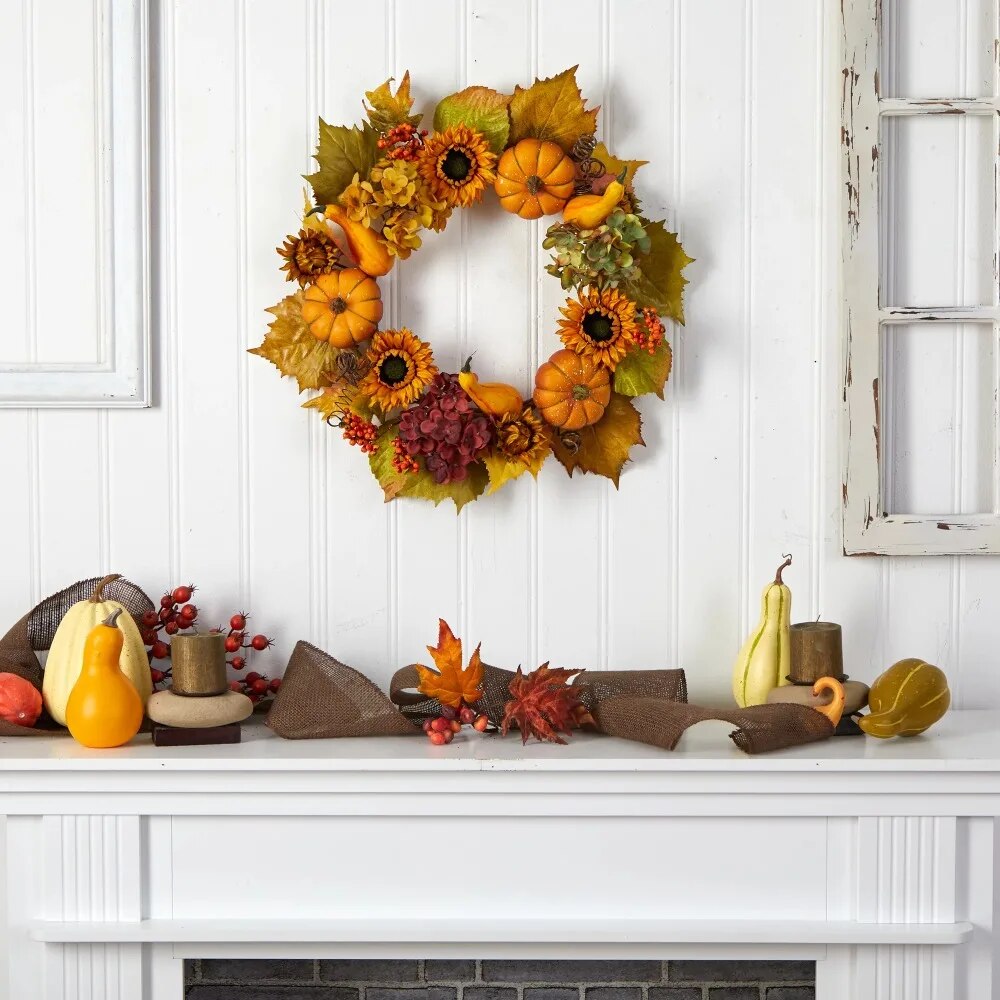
x=122, y=375
x=868, y=529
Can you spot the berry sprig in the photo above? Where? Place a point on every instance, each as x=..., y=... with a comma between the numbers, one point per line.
x=402, y=142
x=176, y=614
x=239, y=646
x=359, y=432
x=442, y=730
x=650, y=331
x=402, y=461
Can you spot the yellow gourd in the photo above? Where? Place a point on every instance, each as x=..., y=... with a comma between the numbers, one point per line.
x=588, y=211
x=65, y=658
x=906, y=700
x=763, y=662
x=104, y=709
x=369, y=252
x=494, y=398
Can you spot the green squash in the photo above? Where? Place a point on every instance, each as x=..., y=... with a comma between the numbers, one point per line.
x=906, y=700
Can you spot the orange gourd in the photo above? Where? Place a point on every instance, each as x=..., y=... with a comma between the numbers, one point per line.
x=369, y=252
x=571, y=391
x=20, y=700
x=496, y=399
x=534, y=178
x=104, y=708
x=343, y=307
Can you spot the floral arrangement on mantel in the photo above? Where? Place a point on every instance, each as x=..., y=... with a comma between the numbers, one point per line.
x=446, y=435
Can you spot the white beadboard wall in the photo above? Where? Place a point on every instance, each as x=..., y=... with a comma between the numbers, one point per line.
x=227, y=483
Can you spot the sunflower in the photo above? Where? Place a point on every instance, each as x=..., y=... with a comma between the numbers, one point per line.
x=402, y=366
x=309, y=255
x=523, y=437
x=456, y=165
x=600, y=325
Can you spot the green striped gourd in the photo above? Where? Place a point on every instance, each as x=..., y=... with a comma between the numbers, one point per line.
x=763, y=662
x=906, y=700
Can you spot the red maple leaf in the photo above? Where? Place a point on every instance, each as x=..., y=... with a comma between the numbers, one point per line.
x=543, y=704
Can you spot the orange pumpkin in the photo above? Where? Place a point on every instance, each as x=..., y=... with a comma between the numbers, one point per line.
x=571, y=391
x=20, y=700
x=343, y=307
x=535, y=178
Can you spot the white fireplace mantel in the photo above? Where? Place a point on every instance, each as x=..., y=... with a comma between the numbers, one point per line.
x=876, y=859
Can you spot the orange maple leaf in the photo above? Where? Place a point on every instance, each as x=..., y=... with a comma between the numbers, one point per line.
x=450, y=684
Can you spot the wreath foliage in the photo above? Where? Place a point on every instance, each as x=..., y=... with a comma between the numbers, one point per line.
x=378, y=188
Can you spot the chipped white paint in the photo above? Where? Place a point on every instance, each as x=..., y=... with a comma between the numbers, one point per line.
x=868, y=524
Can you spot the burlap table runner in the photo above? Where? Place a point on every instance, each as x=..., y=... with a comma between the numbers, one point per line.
x=35, y=631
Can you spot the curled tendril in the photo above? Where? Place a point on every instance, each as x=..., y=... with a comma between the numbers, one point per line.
x=571, y=441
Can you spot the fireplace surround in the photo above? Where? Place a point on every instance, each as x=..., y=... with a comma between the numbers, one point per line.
x=874, y=860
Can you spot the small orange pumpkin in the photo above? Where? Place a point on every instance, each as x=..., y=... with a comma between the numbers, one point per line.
x=20, y=700
x=343, y=307
x=571, y=391
x=535, y=178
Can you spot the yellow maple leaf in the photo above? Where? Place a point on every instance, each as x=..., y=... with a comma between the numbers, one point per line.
x=613, y=165
x=552, y=109
x=293, y=350
x=387, y=109
x=603, y=447
x=502, y=470
x=450, y=684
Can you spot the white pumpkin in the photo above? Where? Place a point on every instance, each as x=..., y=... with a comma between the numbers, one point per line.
x=65, y=659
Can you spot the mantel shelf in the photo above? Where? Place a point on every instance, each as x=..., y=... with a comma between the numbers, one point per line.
x=571, y=931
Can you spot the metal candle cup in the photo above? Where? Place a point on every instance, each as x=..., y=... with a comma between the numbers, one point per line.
x=198, y=665
x=815, y=650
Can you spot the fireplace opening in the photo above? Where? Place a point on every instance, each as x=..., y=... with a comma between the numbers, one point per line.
x=497, y=979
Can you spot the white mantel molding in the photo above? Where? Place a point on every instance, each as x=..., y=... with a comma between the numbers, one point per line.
x=876, y=859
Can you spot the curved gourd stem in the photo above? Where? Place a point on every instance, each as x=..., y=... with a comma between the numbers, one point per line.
x=835, y=709
x=112, y=620
x=788, y=562
x=97, y=596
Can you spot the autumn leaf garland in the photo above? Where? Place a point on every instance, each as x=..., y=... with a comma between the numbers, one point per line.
x=379, y=185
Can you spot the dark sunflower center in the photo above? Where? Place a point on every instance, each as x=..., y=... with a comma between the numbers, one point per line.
x=598, y=327
x=456, y=165
x=393, y=370
x=337, y=305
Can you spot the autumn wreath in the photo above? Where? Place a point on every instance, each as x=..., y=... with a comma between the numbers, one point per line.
x=438, y=435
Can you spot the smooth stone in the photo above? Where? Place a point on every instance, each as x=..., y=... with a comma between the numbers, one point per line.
x=171, y=709
x=855, y=696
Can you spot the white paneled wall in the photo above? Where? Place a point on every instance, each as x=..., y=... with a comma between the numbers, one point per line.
x=226, y=482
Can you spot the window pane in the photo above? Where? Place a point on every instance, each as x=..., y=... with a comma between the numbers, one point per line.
x=937, y=428
x=937, y=198
x=937, y=48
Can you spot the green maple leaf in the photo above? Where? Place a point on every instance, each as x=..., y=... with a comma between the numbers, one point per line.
x=604, y=446
x=481, y=109
x=421, y=485
x=342, y=153
x=661, y=286
x=640, y=372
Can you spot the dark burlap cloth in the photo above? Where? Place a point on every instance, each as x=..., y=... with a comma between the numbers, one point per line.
x=760, y=729
x=35, y=631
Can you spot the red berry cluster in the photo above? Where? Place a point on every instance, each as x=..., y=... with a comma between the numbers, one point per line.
x=650, y=331
x=239, y=645
x=401, y=460
x=402, y=142
x=360, y=432
x=176, y=614
x=441, y=730
x=256, y=686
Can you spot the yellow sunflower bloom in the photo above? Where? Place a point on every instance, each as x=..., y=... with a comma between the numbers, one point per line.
x=402, y=367
x=600, y=325
x=457, y=165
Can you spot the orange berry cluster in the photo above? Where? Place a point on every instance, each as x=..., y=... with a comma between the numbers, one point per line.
x=359, y=432
x=441, y=731
x=650, y=331
x=402, y=142
x=401, y=461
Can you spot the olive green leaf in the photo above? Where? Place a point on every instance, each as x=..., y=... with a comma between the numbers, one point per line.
x=552, y=109
x=603, y=447
x=342, y=153
x=481, y=109
x=640, y=372
x=661, y=286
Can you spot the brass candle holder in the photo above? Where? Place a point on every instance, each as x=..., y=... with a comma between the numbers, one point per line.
x=198, y=665
x=815, y=651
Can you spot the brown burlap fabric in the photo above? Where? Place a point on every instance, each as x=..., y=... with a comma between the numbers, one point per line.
x=35, y=631
x=760, y=729
x=601, y=685
x=321, y=697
